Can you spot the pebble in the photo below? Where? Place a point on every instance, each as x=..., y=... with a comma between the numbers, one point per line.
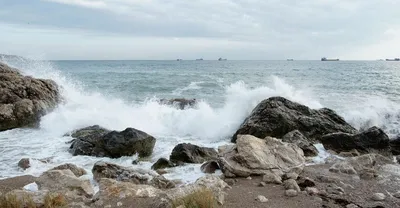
x=378, y=197
x=312, y=191
x=261, y=198
x=249, y=178
x=262, y=184
x=291, y=193
x=119, y=204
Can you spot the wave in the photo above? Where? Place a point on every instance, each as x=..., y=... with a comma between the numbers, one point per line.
x=191, y=86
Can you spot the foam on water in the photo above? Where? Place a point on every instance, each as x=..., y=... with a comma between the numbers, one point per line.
x=203, y=125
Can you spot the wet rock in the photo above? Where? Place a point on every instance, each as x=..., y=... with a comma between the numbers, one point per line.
x=254, y=156
x=78, y=172
x=261, y=199
x=373, y=140
x=290, y=193
x=297, y=138
x=398, y=158
x=162, y=163
x=180, y=103
x=210, y=167
x=312, y=191
x=24, y=99
x=133, y=175
x=395, y=145
x=277, y=116
x=24, y=163
x=189, y=153
x=378, y=197
x=100, y=142
x=291, y=184
x=272, y=178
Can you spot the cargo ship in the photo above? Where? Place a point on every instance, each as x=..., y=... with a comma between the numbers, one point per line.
x=289, y=60
x=326, y=59
x=395, y=59
x=221, y=59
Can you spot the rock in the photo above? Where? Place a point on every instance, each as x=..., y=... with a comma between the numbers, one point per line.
x=378, y=197
x=395, y=145
x=189, y=153
x=230, y=181
x=272, y=178
x=248, y=178
x=97, y=141
x=254, y=156
x=351, y=206
x=58, y=180
x=78, y=172
x=262, y=184
x=290, y=193
x=305, y=182
x=351, y=153
x=342, y=167
x=161, y=171
x=334, y=189
x=291, y=184
x=277, y=116
x=327, y=179
x=162, y=163
x=180, y=103
x=210, y=167
x=24, y=99
x=261, y=199
x=136, y=176
x=373, y=140
x=297, y=138
x=397, y=194
x=24, y=163
x=290, y=176
x=398, y=158
x=312, y=191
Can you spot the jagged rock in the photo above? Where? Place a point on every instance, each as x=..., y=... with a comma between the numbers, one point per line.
x=291, y=184
x=290, y=193
x=378, y=197
x=277, y=116
x=78, y=172
x=162, y=163
x=254, y=156
x=24, y=99
x=297, y=138
x=210, y=167
x=97, y=141
x=189, y=153
x=373, y=140
x=261, y=199
x=136, y=176
x=180, y=103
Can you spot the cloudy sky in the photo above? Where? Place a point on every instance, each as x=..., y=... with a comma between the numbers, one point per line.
x=170, y=29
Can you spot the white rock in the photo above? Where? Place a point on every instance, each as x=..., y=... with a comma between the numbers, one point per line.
x=351, y=206
x=378, y=197
x=261, y=199
x=32, y=187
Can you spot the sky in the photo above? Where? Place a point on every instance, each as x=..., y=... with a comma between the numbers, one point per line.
x=209, y=29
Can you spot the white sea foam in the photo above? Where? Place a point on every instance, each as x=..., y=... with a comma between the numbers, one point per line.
x=191, y=86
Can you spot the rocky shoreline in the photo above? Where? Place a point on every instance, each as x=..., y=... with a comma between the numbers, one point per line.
x=264, y=166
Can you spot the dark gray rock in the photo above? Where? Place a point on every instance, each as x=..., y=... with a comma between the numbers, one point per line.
x=373, y=140
x=277, y=116
x=24, y=163
x=210, y=167
x=189, y=153
x=162, y=163
x=297, y=138
x=180, y=103
x=395, y=146
x=24, y=99
x=97, y=141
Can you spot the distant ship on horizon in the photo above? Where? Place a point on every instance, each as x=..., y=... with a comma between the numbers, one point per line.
x=326, y=59
x=289, y=60
x=178, y=59
x=200, y=59
x=221, y=59
x=395, y=59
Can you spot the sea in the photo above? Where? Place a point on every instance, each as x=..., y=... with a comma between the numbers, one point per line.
x=121, y=94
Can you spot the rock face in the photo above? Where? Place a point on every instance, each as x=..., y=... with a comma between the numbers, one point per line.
x=97, y=141
x=136, y=176
x=189, y=153
x=180, y=103
x=373, y=140
x=297, y=138
x=24, y=99
x=277, y=116
x=254, y=156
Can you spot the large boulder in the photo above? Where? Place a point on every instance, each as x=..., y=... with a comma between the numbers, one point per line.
x=277, y=116
x=395, y=146
x=297, y=138
x=24, y=99
x=254, y=156
x=180, y=103
x=100, y=142
x=134, y=175
x=189, y=153
x=373, y=140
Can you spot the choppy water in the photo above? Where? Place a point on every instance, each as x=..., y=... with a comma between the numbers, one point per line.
x=120, y=94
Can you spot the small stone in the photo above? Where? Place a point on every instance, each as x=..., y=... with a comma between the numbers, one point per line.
x=272, y=178
x=378, y=197
x=351, y=206
x=397, y=194
x=24, y=163
x=249, y=178
x=318, y=199
x=291, y=193
x=312, y=191
x=291, y=184
x=262, y=184
x=230, y=181
x=261, y=198
x=119, y=204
